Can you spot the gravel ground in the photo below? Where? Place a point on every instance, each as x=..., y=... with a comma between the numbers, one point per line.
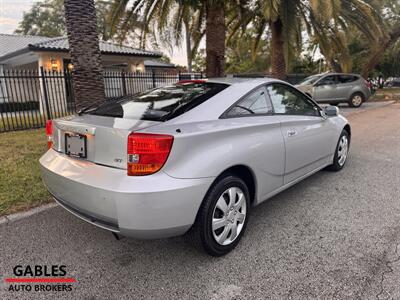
x=332, y=236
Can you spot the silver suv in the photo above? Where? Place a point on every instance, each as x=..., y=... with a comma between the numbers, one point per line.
x=335, y=88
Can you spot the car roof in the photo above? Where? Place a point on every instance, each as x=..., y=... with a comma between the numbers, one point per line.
x=334, y=73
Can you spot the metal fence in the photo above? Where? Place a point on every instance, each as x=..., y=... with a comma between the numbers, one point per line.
x=30, y=97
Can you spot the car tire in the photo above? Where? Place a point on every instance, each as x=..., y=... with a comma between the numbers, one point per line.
x=356, y=100
x=205, y=233
x=341, y=152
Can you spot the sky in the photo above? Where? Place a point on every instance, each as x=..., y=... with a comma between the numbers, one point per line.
x=11, y=13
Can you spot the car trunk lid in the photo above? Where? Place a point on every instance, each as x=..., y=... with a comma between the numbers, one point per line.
x=103, y=140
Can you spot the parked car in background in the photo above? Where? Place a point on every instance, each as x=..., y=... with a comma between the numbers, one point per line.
x=392, y=82
x=335, y=88
x=193, y=156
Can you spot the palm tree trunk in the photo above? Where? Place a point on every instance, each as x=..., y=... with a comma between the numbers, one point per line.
x=335, y=67
x=278, y=62
x=188, y=47
x=80, y=16
x=215, y=38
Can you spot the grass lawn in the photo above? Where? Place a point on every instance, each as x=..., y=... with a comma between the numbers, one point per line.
x=13, y=123
x=21, y=186
x=24, y=120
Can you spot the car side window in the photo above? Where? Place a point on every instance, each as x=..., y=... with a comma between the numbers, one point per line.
x=346, y=79
x=328, y=80
x=256, y=103
x=288, y=101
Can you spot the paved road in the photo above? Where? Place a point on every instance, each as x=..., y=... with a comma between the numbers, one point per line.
x=346, y=110
x=332, y=236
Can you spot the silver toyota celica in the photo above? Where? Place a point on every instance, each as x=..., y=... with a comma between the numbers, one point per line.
x=192, y=157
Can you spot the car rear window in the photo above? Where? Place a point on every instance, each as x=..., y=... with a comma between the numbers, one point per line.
x=162, y=103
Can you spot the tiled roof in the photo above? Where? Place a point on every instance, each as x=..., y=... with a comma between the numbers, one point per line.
x=158, y=64
x=16, y=43
x=107, y=47
x=10, y=43
x=61, y=44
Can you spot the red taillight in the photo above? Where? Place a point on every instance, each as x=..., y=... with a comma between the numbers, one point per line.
x=147, y=152
x=49, y=133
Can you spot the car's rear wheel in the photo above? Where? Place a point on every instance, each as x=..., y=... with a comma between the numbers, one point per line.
x=223, y=215
x=356, y=100
x=341, y=152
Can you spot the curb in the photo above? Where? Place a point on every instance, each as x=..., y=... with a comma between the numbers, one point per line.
x=22, y=215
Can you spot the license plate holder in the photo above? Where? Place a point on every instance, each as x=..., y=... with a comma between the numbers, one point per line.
x=75, y=145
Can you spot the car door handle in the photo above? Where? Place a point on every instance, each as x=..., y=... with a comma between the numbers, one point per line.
x=291, y=132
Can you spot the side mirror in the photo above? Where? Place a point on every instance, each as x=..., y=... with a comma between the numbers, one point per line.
x=331, y=111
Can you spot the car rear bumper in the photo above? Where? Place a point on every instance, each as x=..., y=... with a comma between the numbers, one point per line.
x=154, y=206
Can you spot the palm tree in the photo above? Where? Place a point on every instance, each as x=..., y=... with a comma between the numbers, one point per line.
x=377, y=53
x=80, y=17
x=390, y=10
x=334, y=40
x=188, y=20
x=325, y=21
x=215, y=38
x=160, y=12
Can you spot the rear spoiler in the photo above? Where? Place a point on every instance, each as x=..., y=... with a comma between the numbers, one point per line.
x=198, y=81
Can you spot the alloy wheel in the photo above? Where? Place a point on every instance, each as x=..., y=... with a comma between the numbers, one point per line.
x=343, y=150
x=229, y=215
x=356, y=100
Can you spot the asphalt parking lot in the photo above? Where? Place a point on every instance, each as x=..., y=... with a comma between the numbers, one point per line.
x=332, y=236
x=346, y=110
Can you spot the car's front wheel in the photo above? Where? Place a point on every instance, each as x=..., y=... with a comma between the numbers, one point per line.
x=223, y=215
x=341, y=152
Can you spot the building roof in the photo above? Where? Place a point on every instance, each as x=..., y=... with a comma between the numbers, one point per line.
x=12, y=45
x=158, y=64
